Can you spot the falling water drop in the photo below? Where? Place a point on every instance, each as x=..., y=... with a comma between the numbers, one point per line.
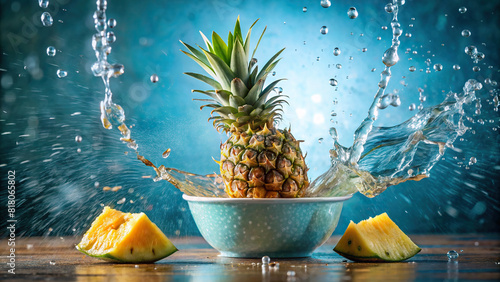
x=154, y=78
x=61, y=73
x=364, y=49
x=324, y=30
x=46, y=19
x=438, y=67
x=456, y=67
x=320, y=140
x=465, y=33
x=470, y=50
x=111, y=23
x=78, y=138
x=452, y=255
x=412, y=68
x=462, y=10
x=333, y=82
x=43, y=3
x=110, y=37
x=338, y=66
x=390, y=57
x=51, y=51
x=166, y=153
x=326, y=3
x=336, y=51
x=472, y=160
x=389, y=8
x=352, y=13
x=412, y=107
x=304, y=9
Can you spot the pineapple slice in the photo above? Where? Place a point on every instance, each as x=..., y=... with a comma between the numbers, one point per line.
x=125, y=237
x=376, y=239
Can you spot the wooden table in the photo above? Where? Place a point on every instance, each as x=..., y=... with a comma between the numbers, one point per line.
x=55, y=258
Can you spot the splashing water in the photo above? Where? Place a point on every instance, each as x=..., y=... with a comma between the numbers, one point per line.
x=414, y=146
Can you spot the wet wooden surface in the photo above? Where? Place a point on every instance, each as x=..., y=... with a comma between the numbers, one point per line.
x=55, y=258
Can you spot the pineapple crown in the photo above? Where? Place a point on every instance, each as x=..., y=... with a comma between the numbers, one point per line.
x=238, y=98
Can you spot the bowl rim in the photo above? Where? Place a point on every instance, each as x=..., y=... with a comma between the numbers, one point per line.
x=266, y=200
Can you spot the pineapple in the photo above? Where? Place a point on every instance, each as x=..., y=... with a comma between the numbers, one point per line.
x=258, y=160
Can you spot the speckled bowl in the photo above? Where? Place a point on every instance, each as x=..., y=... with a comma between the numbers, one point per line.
x=274, y=227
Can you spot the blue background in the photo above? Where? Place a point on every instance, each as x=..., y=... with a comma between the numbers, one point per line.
x=57, y=192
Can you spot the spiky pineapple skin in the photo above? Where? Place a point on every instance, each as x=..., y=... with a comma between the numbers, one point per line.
x=263, y=164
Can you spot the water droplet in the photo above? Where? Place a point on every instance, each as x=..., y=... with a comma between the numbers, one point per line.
x=326, y=3
x=472, y=160
x=452, y=255
x=166, y=153
x=338, y=66
x=333, y=82
x=390, y=57
x=456, y=67
x=290, y=273
x=51, y=51
x=324, y=30
x=364, y=49
x=265, y=260
x=408, y=35
x=121, y=201
x=96, y=184
x=462, y=10
x=46, y=19
x=317, y=59
x=470, y=50
x=111, y=23
x=351, y=58
x=52, y=262
x=438, y=67
x=78, y=138
x=478, y=57
x=154, y=78
x=278, y=90
x=389, y=8
x=320, y=140
x=61, y=73
x=336, y=51
x=412, y=107
x=304, y=9
x=465, y=33
x=384, y=27
x=43, y=3
x=110, y=37
x=352, y=13
x=373, y=70
x=274, y=73
x=476, y=68
x=412, y=68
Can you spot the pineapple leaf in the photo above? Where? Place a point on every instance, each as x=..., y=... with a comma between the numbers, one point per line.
x=225, y=110
x=254, y=92
x=220, y=47
x=230, y=44
x=269, y=65
x=246, y=45
x=223, y=96
x=207, y=68
x=256, y=46
x=243, y=119
x=223, y=72
x=253, y=75
x=256, y=112
x=205, y=79
x=275, y=100
x=210, y=106
x=238, y=88
x=236, y=101
x=239, y=62
x=197, y=53
x=270, y=87
x=211, y=95
x=207, y=42
x=237, y=31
